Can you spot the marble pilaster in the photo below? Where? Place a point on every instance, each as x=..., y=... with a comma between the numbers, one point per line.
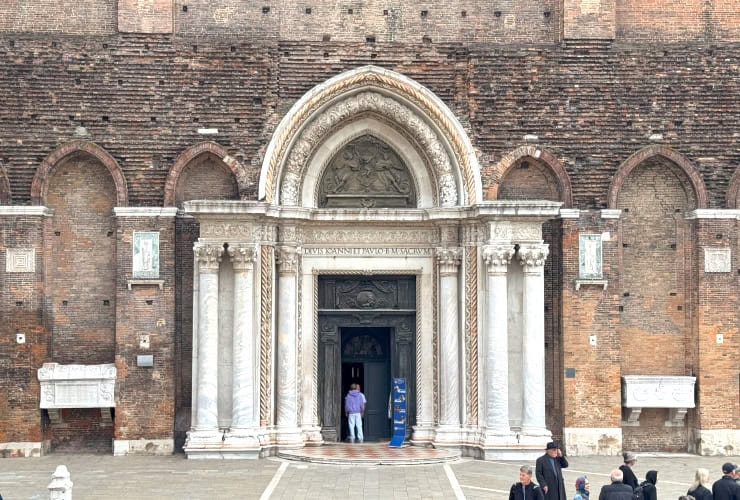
x=208, y=258
x=497, y=258
x=449, y=260
x=532, y=258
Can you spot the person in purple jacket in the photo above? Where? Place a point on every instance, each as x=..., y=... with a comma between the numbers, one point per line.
x=354, y=410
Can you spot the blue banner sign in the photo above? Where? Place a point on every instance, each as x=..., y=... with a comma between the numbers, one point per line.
x=398, y=402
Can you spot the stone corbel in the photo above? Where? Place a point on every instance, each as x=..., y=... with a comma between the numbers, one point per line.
x=676, y=417
x=633, y=417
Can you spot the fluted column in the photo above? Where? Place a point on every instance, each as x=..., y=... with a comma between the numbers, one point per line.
x=532, y=258
x=287, y=322
x=497, y=258
x=449, y=336
x=245, y=405
x=208, y=258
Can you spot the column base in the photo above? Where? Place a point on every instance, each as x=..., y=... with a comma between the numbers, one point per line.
x=422, y=435
x=312, y=436
x=123, y=447
x=497, y=437
x=289, y=438
x=214, y=444
x=447, y=435
x=24, y=449
x=580, y=441
x=714, y=442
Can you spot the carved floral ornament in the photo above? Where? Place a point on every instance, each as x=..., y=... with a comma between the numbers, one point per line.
x=498, y=257
x=208, y=256
x=288, y=258
x=349, y=108
x=242, y=257
x=449, y=259
x=532, y=257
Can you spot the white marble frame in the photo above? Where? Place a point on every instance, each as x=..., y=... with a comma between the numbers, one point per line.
x=422, y=267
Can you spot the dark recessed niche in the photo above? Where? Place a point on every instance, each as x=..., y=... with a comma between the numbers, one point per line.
x=524, y=165
x=308, y=10
x=673, y=246
x=149, y=302
x=57, y=233
x=719, y=236
x=65, y=302
x=265, y=10
x=350, y=11
x=109, y=234
x=424, y=13
x=426, y=39
x=257, y=101
x=373, y=55
x=106, y=302
x=464, y=13
x=626, y=294
x=326, y=38
x=195, y=48
x=105, y=118
x=673, y=294
x=19, y=303
x=621, y=308
x=547, y=14
x=326, y=54
x=369, y=39
x=153, y=118
x=237, y=119
x=233, y=49
x=497, y=13
x=679, y=308
x=184, y=8
x=385, y=12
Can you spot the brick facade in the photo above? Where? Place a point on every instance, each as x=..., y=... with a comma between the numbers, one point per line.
x=625, y=104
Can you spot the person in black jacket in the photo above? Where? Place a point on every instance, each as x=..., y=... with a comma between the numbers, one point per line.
x=525, y=489
x=549, y=472
x=617, y=490
x=726, y=488
x=699, y=489
x=629, y=477
x=649, y=491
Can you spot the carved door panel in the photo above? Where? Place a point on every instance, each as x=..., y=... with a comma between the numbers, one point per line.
x=329, y=380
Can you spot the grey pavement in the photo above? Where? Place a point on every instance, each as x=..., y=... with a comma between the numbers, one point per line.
x=175, y=477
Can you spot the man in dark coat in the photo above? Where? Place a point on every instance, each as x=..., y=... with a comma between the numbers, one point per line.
x=549, y=471
x=630, y=478
x=617, y=490
x=525, y=489
x=726, y=488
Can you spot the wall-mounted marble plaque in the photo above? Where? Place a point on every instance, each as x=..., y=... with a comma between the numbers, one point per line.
x=589, y=256
x=20, y=260
x=146, y=254
x=717, y=260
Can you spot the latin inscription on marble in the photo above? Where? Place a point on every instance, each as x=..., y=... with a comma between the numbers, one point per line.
x=20, y=260
x=421, y=252
x=717, y=260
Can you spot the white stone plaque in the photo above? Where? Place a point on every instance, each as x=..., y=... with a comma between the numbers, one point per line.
x=77, y=386
x=658, y=391
x=589, y=256
x=146, y=254
x=20, y=260
x=717, y=260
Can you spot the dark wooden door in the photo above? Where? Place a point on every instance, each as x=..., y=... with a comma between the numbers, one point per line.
x=376, y=387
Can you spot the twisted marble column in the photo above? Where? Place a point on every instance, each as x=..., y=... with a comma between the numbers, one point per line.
x=449, y=336
x=208, y=258
x=532, y=258
x=245, y=407
x=497, y=258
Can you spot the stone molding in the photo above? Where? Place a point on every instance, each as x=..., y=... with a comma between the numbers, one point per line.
x=570, y=213
x=498, y=257
x=508, y=230
x=419, y=235
x=144, y=212
x=20, y=210
x=432, y=109
x=714, y=213
x=40, y=184
x=208, y=257
x=646, y=154
x=611, y=213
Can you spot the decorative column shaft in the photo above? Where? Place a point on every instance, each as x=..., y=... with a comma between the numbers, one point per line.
x=532, y=258
x=208, y=258
x=245, y=406
x=497, y=258
x=287, y=322
x=449, y=336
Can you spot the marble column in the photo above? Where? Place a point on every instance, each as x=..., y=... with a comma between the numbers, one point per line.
x=449, y=336
x=245, y=405
x=532, y=258
x=497, y=258
x=288, y=260
x=208, y=258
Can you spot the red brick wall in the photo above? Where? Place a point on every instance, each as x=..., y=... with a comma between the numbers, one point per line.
x=584, y=19
x=153, y=16
x=92, y=17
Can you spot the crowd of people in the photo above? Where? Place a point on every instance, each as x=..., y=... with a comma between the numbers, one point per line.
x=624, y=484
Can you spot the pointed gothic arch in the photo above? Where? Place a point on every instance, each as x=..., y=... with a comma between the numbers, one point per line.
x=538, y=154
x=371, y=91
x=697, y=183
x=40, y=184
x=184, y=159
x=733, y=191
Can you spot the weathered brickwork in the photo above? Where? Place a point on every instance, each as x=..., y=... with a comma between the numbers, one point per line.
x=599, y=85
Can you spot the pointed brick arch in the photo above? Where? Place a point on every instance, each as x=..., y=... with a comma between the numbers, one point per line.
x=40, y=185
x=538, y=154
x=733, y=192
x=6, y=197
x=645, y=154
x=182, y=161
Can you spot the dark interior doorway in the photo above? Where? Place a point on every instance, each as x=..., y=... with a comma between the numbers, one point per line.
x=365, y=354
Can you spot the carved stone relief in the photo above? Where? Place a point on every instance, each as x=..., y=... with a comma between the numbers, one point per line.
x=20, y=260
x=718, y=260
x=366, y=173
x=395, y=236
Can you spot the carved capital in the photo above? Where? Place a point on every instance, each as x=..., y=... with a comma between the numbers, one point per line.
x=532, y=256
x=242, y=258
x=498, y=257
x=449, y=260
x=288, y=259
x=208, y=257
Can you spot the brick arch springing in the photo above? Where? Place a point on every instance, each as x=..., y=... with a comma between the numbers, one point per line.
x=733, y=192
x=645, y=154
x=537, y=154
x=6, y=197
x=184, y=159
x=40, y=185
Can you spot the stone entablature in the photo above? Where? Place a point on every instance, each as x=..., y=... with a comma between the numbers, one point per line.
x=77, y=386
x=657, y=391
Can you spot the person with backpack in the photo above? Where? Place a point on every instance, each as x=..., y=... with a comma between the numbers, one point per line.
x=647, y=490
x=525, y=489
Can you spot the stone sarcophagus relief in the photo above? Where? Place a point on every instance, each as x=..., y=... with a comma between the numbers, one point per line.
x=77, y=386
x=657, y=391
